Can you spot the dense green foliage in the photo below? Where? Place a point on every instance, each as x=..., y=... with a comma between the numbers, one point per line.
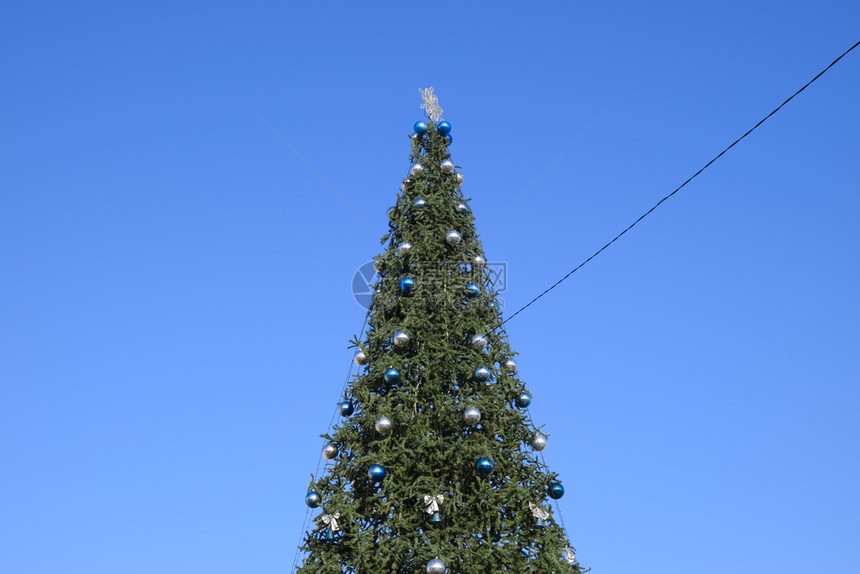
x=487, y=525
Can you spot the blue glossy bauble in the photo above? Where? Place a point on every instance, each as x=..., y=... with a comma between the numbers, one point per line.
x=443, y=128
x=449, y=138
x=484, y=466
x=462, y=209
x=313, y=499
x=524, y=400
x=420, y=203
x=345, y=409
x=391, y=376
x=482, y=374
x=420, y=127
x=556, y=490
x=406, y=285
x=376, y=473
x=472, y=290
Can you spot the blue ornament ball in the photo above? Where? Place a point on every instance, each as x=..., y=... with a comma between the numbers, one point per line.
x=484, y=466
x=556, y=490
x=443, y=128
x=313, y=499
x=472, y=290
x=406, y=285
x=524, y=400
x=376, y=473
x=449, y=138
x=482, y=374
x=391, y=376
x=420, y=203
x=420, y=127
x=345, y=409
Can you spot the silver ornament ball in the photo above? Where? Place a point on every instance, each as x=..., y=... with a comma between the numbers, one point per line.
x=400, y=338
x=436, y=566
x=479, y=341
x=417, y=168
x=383, y=425
x=539, y=442
x=329, y=452
x=453, y=237
x=510, y=365
x=404, y=247
x=377, y=266
x=447, y=166
x=360, y=358
x=472, y=416
x=478, y=262
x=459, y=178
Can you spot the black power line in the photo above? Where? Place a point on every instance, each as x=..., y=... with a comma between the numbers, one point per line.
x=677, y=189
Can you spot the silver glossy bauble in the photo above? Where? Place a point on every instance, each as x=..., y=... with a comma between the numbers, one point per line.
x=539, y=442
x=417, y=168
x=478, y=262
x=462, y=208
x=453, y=237
x=360, y=358
x=330, y=452
x=459, y=178
x=479, y=341
x=404, y=247
x=383, y=425
x=509, y=365
x=448, y=166
x=377, y=266
x=436, y=566
x=472, y=416
x=400, y=338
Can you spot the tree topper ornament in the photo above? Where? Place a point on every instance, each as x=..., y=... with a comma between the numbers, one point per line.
x=431, y=104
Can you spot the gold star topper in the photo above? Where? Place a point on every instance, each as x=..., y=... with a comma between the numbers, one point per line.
x=431, y=104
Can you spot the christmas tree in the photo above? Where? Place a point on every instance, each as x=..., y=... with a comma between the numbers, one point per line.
x=434, y=465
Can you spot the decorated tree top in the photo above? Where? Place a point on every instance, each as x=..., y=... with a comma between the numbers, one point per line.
x=435, y=464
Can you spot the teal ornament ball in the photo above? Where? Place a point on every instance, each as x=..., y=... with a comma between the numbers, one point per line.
x=406, y=285
x=524, y=400
x=472, y=290
x=443, y=128
x=313, y=499
x=420, y=203
x=420, y=128
x=556, y=490
x=391, y=376
x=376, y=473
x=484, y=466
x=345, y=409
x=482, y=374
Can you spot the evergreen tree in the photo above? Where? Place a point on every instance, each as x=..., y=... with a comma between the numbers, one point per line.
x=434, y=457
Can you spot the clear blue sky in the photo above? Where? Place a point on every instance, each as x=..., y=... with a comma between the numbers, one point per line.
x=176, y=281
